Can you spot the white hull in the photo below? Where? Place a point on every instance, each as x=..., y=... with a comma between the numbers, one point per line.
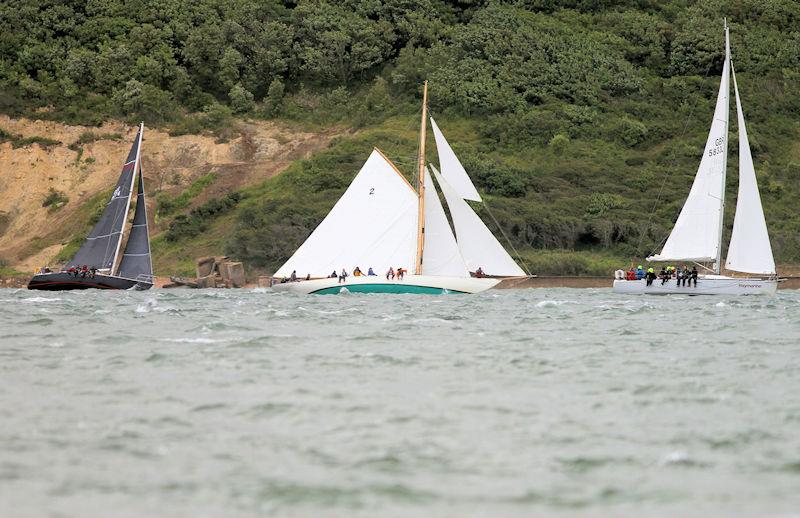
x=706, y=285
x=417, y=284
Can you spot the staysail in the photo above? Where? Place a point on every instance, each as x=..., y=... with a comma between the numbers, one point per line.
x=749, y=249
x=102, y=244
x=697, y=232
x=452, y=170
x=373, y=225
x=441, y=256
x=479, y=247
x=136, y=260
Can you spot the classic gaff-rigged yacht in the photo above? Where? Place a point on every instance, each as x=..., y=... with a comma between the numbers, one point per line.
x=133, y=269
x=697, y=235
x=381, y=221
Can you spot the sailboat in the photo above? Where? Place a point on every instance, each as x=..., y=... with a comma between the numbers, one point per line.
x=697, y=234
x=382, y=222
x=99, y=263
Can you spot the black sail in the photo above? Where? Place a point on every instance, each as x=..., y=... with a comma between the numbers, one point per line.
x=102, y=243
x=136, y=262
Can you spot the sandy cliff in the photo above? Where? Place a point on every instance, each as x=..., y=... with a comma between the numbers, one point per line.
x=31, y=235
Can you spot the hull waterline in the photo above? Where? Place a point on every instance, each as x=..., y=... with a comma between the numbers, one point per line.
x=60, y=281
x=716, y=285
x=411, y=284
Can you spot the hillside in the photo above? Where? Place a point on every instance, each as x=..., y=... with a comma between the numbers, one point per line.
x=74, y=167
x=582, y=120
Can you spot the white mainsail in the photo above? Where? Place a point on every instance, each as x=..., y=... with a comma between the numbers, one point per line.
x=749, y=249
x=452, y=170
x=373, y=225
x=697, y=232
x=440, y=255
x=479, y=247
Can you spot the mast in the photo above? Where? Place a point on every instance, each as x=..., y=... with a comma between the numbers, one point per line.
x=726, y=66
x=114, y=265
x=421, y=180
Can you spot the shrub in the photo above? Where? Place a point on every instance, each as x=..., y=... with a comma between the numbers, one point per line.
x=54, y=200
x=241, y=99
x=198, y=219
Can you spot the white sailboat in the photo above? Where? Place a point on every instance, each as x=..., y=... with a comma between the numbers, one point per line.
x=697, y=234
x=382, y=222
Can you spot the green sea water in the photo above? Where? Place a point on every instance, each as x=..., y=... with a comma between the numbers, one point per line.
x=542, y=402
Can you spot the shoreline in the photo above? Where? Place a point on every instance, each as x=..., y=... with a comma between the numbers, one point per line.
x=544, y=281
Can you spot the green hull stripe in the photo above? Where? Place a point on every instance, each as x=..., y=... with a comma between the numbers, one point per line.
x=385, y=288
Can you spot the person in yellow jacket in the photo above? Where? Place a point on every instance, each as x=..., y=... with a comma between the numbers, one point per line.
x=651, y=275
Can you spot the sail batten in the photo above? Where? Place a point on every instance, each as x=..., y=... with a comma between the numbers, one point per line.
x=750, y=250
x=101, y=246
x=479, y=247
x=696, y=235
x=441, y=255
x=451, y=168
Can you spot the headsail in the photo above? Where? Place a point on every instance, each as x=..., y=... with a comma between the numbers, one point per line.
x=102, y=244
x=749, y=250
x=696, y=235
x=374, y=224
x=452, y=170
x=441, y=255
x=479, y=248
x=136, y=260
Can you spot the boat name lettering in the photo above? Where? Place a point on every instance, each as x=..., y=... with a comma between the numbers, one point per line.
x=749, y=285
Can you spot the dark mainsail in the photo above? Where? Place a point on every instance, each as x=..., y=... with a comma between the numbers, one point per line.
x=136, y=257
x=102, y=243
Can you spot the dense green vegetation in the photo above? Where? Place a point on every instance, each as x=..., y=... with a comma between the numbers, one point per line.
x=582, y=120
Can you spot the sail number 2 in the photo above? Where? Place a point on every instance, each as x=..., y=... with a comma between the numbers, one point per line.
x=719, y=147
x=372, y=190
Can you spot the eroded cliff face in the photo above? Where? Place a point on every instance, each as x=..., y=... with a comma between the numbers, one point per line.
x=31, y=234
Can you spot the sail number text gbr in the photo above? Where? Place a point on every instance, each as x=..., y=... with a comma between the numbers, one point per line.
x=719, y=147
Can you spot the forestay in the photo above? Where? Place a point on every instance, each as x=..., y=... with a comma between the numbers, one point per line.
x=478, y=246
x=374, y=224
x=102, y=244
x=452, y=170
x=696, y=235
x=440, y=255
x=749, y=249
x=136, y=261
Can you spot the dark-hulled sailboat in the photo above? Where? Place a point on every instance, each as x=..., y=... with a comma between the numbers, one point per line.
x=98, y=263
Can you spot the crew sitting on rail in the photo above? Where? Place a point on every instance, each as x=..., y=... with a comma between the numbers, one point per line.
x=651, y=276
x=333, y=275
x=370, y=272
x=343, y=276
x=479, y=272
x=400, y=273
x=693, y=276
x=390, y=273
x=293, y=276
x=631, y=275
x=357, y=272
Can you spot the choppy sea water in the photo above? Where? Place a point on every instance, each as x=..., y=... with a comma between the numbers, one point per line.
x=509, y=403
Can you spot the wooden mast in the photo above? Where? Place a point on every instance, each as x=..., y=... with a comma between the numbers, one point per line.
x=421, y=180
